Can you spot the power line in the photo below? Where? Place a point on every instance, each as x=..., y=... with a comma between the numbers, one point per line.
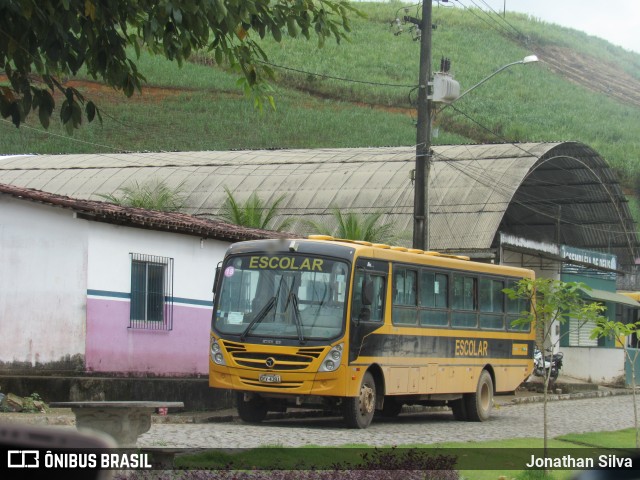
x=331, y=77
x=502, y=19
x=496, y=20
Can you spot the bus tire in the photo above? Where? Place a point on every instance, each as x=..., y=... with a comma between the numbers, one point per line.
x=253, y=410
x=479, y=404
x=459, y=409
x=358, y=411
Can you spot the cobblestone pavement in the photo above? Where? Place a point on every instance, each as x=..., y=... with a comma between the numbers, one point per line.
x=510, y=421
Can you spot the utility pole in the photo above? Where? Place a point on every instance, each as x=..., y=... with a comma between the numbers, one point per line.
x=423, y=137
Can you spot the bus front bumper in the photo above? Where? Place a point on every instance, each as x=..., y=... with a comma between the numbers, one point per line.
x=279, y=382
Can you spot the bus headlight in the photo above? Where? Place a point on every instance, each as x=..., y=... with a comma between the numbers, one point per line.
x=216, y=353
x=332, y=359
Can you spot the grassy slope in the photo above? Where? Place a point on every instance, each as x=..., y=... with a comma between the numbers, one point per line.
x=199, y=107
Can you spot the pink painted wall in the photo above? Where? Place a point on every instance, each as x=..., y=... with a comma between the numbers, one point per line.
x=113, y=347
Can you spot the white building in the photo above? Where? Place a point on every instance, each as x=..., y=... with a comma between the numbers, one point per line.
x=89, y=286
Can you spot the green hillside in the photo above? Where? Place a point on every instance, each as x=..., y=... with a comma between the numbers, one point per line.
x=361, y=93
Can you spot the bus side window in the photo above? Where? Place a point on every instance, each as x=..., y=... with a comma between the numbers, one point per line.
x=491, y=303
x=405, y=285
x=464, y=302
x=377, y=297
x=368, y=297
x=442, y=291
x=515, y=309
x=434, y=288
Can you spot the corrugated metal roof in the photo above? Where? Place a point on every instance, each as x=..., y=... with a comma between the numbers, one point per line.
x=527, y=189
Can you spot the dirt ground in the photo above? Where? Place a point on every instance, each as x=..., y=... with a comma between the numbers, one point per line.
x=594, y=75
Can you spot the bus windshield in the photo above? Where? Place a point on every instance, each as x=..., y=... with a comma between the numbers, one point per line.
x=282, y=296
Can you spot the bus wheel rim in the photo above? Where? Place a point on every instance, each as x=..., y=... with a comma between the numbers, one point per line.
x=367, y=399
x=484, y=397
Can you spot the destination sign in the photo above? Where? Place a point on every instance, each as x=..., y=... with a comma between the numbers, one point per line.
x=286, y=263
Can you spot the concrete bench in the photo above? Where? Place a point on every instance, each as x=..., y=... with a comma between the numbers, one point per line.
x=124, y=421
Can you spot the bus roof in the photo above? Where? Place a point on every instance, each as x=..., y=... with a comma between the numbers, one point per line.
x=632, y=295
x=385, y=246
x=426, y=257
x=328, y=245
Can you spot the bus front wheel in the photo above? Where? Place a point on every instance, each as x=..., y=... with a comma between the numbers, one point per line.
x=358, y=411
x=253, y=410
x=478, y=405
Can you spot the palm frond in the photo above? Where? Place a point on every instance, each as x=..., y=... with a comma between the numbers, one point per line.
x=151, y=195
x=253, y=213
x=353, y=226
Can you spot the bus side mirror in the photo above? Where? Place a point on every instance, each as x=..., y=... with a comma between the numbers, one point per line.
x=367, y=297
x=367, y=292
x=216, y=278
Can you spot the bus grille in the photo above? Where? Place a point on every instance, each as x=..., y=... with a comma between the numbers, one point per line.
x=300, y=360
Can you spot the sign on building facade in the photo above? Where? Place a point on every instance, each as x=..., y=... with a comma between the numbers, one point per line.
x=584, y=259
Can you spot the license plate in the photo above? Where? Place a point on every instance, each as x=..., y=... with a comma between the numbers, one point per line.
x=269, y=378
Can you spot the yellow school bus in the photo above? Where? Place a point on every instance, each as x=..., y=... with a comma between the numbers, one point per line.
x=362, y=328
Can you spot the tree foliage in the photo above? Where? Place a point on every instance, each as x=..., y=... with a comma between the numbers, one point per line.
x=152, y=195
x=254, y=213
x=352, y=226
x=44, y=41
x=552, y=302
x=620, y=332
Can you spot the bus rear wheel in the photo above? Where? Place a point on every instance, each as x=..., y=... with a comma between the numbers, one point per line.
x=253, y=410
x=358, y=411
x=478, y=405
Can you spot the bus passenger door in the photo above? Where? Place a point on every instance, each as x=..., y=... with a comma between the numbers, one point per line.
x=367, y=308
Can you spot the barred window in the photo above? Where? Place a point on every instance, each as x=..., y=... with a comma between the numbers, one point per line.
x=151, y=292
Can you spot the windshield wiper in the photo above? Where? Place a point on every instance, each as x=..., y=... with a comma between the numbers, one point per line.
x=259, y=317
x=296, y=316
x=263, y=313
x=292, y=298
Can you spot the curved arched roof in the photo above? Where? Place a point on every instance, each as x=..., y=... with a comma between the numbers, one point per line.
x=556, y=192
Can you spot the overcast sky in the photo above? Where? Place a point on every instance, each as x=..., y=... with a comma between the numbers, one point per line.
x=617, y=22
